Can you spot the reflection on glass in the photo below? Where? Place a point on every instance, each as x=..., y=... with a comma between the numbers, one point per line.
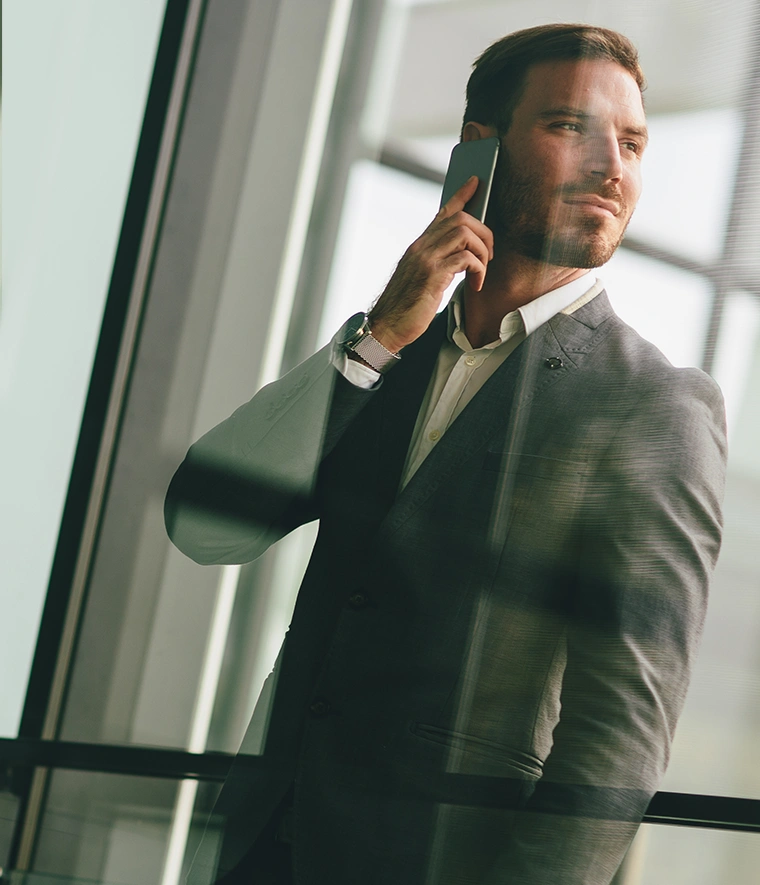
x=147, y=626
x=688, y=219
x=69, y=137
x=715, y=750
x=108, y=828
x=669, y=855
x=8, y=810
x=667, y=306
x=383, y=212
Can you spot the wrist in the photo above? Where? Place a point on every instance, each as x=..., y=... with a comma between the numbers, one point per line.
x=384, y=336
x=357, y=340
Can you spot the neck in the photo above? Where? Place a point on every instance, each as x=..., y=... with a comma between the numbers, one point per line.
x=511, y=282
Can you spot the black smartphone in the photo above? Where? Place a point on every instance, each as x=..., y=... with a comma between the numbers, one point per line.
x=472, y=158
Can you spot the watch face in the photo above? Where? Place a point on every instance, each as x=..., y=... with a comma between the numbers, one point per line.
x=351, y=327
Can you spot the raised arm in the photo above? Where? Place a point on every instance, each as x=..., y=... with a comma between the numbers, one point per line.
x=251, y=479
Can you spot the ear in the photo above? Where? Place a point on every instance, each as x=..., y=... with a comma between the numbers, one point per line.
x=473, y=131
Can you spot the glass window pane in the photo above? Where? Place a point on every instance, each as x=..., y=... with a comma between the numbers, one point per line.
x=689, y=221
x=671, y=855
x=687, y=213
x=109, y=828
x=715, y=749
x=384, y=211
x=666, y=305
x=9, y=807
x=69, y=137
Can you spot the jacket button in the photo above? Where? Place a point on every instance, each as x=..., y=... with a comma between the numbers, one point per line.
x=319, y=708
x=358, y=600
x=554, y=362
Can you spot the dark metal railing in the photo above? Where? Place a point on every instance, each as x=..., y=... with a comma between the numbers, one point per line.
x=681, y=809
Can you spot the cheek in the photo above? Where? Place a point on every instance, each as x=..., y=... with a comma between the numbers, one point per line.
x=632, y=188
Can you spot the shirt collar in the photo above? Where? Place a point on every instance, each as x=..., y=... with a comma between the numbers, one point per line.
x=531, y=315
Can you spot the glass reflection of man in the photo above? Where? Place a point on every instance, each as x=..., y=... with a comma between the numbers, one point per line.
x=518, y=519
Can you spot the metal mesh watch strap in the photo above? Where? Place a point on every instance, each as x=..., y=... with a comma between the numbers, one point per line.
x=372, y=351
x=357, y=337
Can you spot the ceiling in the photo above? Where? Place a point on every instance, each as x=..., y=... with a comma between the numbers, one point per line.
x=695, y=53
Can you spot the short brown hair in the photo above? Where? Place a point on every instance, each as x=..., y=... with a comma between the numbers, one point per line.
x=498, y=76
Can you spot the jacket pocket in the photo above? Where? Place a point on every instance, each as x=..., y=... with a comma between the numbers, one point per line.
x=524, y=763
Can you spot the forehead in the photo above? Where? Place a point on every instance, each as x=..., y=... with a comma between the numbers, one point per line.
x=596, y=86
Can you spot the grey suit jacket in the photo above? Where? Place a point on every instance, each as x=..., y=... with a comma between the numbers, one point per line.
x=484, y=671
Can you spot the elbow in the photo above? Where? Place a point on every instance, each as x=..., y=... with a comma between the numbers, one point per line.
x=208, y=536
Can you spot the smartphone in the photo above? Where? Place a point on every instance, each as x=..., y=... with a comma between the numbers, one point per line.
x=472, y=158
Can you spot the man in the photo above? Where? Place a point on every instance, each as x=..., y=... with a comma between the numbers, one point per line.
x=518, y=518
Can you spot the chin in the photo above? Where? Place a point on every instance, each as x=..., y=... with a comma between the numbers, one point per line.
x=579, y=249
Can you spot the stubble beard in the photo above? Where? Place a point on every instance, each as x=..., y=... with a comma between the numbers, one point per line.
x=519, y=215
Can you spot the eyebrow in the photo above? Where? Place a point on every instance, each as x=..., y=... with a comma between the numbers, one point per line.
x=567, y=111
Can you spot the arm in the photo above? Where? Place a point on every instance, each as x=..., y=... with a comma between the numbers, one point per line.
x=250, y=480
x=648, y=547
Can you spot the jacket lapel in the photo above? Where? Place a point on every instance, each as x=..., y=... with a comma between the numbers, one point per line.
x=403, y=392
x=505, y=400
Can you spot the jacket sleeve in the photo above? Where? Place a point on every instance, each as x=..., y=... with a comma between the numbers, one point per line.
x=251, y=479
x=648, y=546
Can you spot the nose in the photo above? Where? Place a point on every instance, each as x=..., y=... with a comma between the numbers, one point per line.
x=603, y=160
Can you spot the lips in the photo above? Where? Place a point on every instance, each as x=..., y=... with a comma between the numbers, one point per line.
x=595, y=203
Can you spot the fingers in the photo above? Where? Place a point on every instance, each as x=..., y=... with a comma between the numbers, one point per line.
x=462, y=232
x=452, y=214
x=455, y=241
x=460, y=198
x=467, y=261
x=480, y=243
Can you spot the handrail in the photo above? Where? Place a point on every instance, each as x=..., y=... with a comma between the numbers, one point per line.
x=680, y=809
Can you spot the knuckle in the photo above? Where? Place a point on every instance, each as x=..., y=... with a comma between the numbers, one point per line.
x=428, y=263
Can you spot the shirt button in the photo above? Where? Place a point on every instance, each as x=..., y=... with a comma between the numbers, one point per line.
x=434, y=435
x=358, y=600
x=470, y=360
x=319, y=708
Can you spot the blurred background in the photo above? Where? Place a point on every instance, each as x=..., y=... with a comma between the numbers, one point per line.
x=196, y=194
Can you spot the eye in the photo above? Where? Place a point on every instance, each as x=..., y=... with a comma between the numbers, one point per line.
x=569, y=127
x=632, y=146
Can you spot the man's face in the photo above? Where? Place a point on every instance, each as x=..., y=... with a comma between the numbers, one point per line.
x=569, y=173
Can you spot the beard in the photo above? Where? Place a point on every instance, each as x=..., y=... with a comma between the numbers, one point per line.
x=521, y=217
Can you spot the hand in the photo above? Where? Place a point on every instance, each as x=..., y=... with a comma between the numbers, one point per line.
x=453, y=242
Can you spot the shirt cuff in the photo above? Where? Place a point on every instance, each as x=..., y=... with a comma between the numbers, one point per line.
x=352, y=370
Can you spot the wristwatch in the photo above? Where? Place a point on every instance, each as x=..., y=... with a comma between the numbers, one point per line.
x=356, y=336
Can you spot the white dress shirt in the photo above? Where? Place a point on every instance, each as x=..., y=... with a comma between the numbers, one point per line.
x=462, y=370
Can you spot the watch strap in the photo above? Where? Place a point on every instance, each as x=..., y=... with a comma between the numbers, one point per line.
x=357, y=338
x=372, y=352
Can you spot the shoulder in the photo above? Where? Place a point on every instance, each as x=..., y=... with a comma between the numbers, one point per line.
x=629, y=389
x=628, y=367
x=625, y=354
x=674, y=417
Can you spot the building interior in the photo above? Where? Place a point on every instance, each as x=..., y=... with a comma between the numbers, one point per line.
x=196, y=195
